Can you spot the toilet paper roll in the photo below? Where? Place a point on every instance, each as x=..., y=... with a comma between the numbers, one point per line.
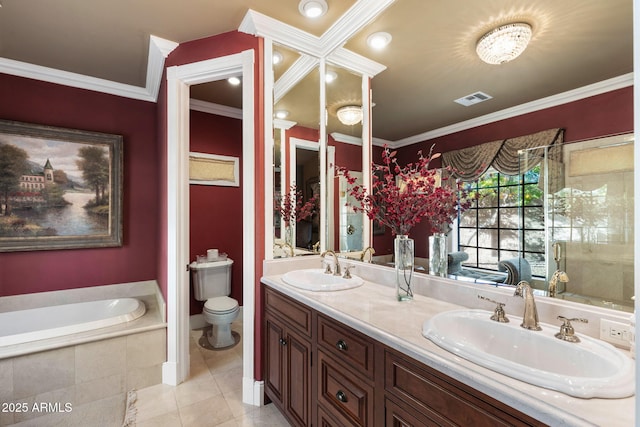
x=212, y=254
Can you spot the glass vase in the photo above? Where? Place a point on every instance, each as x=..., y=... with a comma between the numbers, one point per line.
x=438, y=254
x=404, y=254
x=288, y=235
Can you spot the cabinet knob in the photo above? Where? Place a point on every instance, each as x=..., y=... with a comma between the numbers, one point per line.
x=341, y=345
x=341, y=396
x=283, y=341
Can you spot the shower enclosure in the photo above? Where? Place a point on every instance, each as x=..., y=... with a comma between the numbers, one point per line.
x=586, y=218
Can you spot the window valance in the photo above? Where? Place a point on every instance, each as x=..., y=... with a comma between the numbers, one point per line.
x=470, y=163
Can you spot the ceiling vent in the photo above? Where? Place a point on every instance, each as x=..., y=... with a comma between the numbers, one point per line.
x=474, y=98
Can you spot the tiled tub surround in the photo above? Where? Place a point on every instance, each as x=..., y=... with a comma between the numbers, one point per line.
x=83, y=369
x=373, y=310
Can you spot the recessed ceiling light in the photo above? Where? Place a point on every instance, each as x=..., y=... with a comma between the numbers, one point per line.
x=313, y=8
x=282, y=114
x=330, y=76
x=234, y=80
x=277, y=58
x=379, y=40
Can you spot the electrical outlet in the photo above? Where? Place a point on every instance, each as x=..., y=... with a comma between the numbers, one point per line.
x=616, y=333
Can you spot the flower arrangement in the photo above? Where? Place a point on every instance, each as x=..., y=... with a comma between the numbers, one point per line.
x=291, y=207
x=401, y=197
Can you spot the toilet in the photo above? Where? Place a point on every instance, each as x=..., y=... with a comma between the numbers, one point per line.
x=212, y=283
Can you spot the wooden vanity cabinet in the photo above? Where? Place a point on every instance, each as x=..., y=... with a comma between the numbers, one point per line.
x=345, y=375
x=320, y=372
x=288, y=356
x=418, y=395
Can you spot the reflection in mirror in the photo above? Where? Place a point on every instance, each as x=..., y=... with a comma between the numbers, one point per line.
x=344, y=130
x=588, y=255
x=296, y=136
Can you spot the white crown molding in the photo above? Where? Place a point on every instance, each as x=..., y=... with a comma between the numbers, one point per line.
x=352, y=61
x=217, y=109
x=351, y=23
x=379, y=142
x=594, y=89
x=66, y=78
x=292, y=76
x=257, y=24
x=347, y=139
x=158, y=50
x=283, y=124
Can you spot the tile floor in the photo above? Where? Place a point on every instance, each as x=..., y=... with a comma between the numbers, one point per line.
x=212, y=396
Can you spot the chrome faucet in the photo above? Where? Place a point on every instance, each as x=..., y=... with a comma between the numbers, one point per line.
x=364, y=253
x=337, y=271
x=530, y=316
x=558, y=276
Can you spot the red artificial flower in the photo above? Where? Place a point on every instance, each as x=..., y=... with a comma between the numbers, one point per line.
x=291, y=207
x=401, y=197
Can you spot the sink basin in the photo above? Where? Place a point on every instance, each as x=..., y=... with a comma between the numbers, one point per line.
x=590, y=368
x=315, y=279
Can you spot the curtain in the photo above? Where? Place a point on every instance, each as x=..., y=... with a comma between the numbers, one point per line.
x=470, y=163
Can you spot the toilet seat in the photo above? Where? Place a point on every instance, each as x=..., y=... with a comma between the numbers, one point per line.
x=220, y=305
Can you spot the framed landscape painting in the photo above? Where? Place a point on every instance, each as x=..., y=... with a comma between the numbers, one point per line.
x=59, y=188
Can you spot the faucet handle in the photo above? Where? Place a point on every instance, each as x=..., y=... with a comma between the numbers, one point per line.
x=498, y=314
x=326, y=265
x=347, y=273
x=567, y=333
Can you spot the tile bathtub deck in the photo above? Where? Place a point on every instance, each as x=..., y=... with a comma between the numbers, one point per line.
x=212, y=396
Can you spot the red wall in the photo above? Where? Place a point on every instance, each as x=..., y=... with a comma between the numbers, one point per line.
x=215, y=212
x=38, y=102
x=597, y=116
x=347, y=156
x=200, y=50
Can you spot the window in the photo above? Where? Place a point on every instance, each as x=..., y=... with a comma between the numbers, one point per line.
x=507, y=220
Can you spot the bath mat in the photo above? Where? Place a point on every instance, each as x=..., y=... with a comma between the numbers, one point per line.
x=204, y=342
x=130, y=409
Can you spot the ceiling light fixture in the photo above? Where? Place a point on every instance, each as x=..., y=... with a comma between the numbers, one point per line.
x=504, y=44
x=276, y=58
x=330, y=76
x=350, y=115
x=379, y=40
x=234, y=80
x=313, y=8
x=282, y=114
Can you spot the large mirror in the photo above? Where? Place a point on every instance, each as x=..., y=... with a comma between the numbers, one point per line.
x=349, y=234
x=296, y=154
x=345, y=149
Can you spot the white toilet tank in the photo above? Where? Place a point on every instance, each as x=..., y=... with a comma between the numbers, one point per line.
x=211, y=279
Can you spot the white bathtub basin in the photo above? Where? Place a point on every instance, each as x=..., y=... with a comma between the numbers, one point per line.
x=315, y=279
x=590, y=368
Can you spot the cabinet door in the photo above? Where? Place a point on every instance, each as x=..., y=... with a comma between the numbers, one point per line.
x=298, y=378
x=274, y=359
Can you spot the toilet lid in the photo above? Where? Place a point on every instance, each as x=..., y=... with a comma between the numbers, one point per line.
x=220, y=305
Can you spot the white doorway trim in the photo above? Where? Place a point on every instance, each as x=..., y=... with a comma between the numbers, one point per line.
x=176, y=369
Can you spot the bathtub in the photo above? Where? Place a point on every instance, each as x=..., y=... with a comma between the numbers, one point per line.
x=23, y=326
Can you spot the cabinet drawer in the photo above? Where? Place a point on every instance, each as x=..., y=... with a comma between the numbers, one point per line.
x=430, y=392
x=347, y=345
x=347, y=397
x=291, y=311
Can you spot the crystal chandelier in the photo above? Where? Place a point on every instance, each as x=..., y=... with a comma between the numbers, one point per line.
x=350, y=115
x=504, y=43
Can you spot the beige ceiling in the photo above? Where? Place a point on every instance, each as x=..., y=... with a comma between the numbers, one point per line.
x=430, y=62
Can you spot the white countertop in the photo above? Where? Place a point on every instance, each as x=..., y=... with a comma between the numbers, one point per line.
x=373, y=310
